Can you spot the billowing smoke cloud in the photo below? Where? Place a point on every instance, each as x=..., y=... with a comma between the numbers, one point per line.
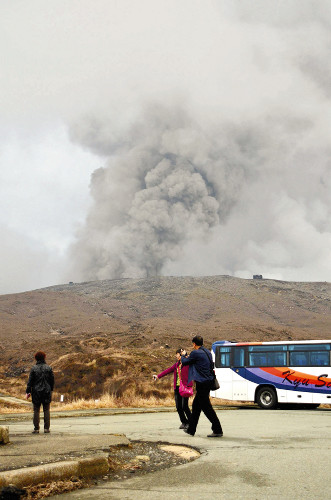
x=236, y=180
x=156, y=192
x=232, y=198
x=210, y=122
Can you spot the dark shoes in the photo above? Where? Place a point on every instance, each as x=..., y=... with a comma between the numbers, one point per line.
x=184, y=426
x=215, y=435
x=46, y=431
x=36, y=431
x=187, y=432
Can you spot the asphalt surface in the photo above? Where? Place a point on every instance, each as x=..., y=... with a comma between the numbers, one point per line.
x=26, y=450
x=263, y=454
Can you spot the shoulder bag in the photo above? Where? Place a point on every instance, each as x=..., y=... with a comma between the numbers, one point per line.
x=214, y=384
x=184, y=390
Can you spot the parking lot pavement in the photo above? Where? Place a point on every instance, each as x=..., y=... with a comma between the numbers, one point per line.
x=26, y=450
x=263, y=454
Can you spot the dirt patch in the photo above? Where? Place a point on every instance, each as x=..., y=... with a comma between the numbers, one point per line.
x=144, y=457
x=181, y=451
x=137, y=458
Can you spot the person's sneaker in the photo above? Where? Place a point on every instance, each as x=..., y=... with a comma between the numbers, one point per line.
x=187, y=432
x=46, y=431
x=183, y=426
x=36, y=431
x=215, y=435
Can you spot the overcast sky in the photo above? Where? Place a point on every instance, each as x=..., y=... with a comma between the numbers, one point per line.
x=173, y=137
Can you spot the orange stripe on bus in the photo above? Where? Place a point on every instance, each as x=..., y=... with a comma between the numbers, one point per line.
x=279, y=372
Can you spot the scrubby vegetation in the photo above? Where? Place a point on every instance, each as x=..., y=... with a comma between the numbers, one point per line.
x=105, y=339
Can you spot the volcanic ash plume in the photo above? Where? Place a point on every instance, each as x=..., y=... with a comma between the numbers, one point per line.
x=158, y=190
x=178, y=198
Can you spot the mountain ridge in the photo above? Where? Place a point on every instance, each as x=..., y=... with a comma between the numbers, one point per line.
x=130, y=328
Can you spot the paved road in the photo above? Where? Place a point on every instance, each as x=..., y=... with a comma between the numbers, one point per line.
x=263, y=454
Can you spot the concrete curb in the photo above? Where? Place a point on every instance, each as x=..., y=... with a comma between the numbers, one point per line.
x=4, y=434
x=85, y=467
x=21, y=417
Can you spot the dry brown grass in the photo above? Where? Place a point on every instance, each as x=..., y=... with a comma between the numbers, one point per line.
x=155, y=311
x=110, y=401
x=45, y=490
x=105, y=401
x=109, y=337
x=13, y=408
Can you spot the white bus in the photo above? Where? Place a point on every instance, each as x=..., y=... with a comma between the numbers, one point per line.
x=272, y=373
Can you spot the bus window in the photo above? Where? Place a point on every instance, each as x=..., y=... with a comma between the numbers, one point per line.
x=277, y=359
x=222, y=358
x=299, y=358
x=238, y=356
x=309, y=354
x=267, y=355
x=256, y=359
x=267, y=348
x=320, y=358
x=309, y=347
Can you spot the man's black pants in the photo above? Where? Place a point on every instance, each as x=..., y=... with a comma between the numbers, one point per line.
x=36, y=415
x=202, y=402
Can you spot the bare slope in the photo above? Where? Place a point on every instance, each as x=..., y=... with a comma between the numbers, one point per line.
x=110, y=335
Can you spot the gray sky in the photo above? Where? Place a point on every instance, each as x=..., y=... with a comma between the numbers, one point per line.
x=164, y=136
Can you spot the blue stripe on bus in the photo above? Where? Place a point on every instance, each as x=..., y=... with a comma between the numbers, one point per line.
x=259, y=377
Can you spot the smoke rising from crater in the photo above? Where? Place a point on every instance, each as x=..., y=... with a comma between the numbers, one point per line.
x=233, y=179
x=156, y=192
x=174, y=197
x=206, y=124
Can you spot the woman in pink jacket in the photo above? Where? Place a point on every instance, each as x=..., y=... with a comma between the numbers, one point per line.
x=181, y=403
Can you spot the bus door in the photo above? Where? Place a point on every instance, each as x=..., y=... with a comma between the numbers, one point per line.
x=239, y=380
x=223, y=372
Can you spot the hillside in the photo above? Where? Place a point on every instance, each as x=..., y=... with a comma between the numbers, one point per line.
x=109, y=336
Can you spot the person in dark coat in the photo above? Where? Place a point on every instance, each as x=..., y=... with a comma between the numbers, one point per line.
x=201, y=366
x=40, y=387
x=181, y=402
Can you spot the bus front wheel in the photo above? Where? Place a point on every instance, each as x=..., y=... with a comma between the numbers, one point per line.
x=266, y=398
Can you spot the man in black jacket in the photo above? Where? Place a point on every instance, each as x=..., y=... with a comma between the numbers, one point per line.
x=40, y=387
x=201, y=370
